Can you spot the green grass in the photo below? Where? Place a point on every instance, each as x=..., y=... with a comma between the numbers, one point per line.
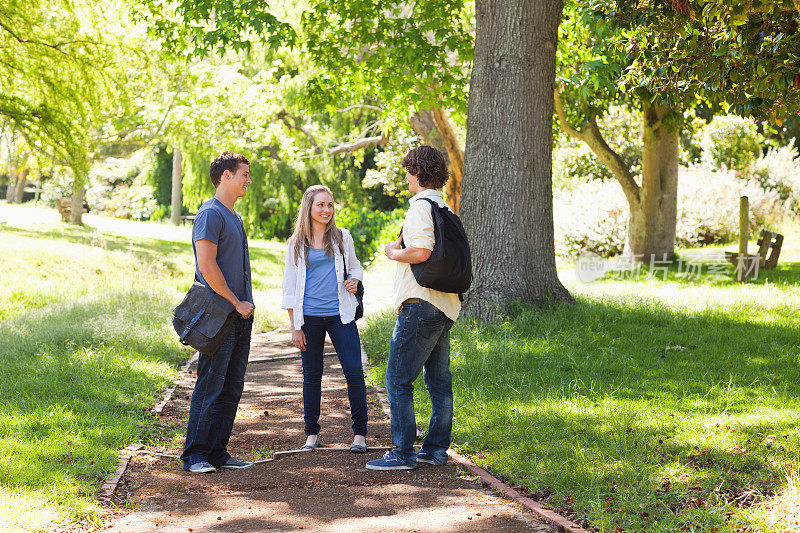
x=651, y=405
x=86, y=348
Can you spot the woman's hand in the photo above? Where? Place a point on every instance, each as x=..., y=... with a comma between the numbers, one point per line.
x=299, y=339
x=351, y=285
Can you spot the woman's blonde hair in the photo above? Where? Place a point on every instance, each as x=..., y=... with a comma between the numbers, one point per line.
x=302, y=237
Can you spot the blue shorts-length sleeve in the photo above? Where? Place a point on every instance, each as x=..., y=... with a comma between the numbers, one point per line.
x=208, y=224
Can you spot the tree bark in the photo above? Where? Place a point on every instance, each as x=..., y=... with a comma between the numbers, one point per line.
x=22, y=182
x=651, y=227
x=507, y=197
x=424, y=125
x=435, y=129
x=76, y=209
x=653, y=205
x=12, y=186
x=452, y=188
x=177, y=193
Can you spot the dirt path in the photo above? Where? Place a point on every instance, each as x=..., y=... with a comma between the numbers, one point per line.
x=322, y=490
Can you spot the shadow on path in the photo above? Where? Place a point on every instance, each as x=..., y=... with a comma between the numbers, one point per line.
x=314, y=491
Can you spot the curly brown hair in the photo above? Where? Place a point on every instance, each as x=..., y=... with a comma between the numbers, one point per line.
x=227, y=160
x=427, y=164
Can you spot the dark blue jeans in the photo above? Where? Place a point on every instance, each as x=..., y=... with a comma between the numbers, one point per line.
x=420, y=343
x=346, y=343
x=220, y=382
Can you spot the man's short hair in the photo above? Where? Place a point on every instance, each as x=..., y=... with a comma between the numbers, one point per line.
x=428, y=165
x=227, y=160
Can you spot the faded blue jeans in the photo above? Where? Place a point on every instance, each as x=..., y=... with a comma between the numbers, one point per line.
x=220, y=382
x=420, y=343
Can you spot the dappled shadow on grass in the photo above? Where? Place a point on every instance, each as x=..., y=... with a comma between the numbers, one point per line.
x=608, y=394
x=76, y=384
x=631, y=413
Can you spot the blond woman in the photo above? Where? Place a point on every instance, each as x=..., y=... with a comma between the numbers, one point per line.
x=320, y=300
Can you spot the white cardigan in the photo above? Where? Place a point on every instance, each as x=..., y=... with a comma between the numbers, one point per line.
x=294, y=281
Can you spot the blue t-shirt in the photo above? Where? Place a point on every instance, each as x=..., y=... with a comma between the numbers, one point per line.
x=223, y=227
x=321, y=296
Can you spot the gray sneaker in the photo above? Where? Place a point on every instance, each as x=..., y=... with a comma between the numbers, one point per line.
x=236, y=463
x=202, y=467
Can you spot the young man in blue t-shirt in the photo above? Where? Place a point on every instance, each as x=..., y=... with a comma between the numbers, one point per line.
x=222, y=263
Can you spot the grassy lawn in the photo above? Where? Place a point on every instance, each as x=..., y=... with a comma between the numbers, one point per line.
x=86, y=348
x=651, y=405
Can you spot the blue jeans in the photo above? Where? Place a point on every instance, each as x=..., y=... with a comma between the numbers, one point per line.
x=420, y=343
x=220, y=382
x=348, y=347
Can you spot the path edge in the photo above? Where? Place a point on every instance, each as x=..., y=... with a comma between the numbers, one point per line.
x=550, y=516
x=112, y=480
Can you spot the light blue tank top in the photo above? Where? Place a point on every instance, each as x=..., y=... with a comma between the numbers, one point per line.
x=321, y=296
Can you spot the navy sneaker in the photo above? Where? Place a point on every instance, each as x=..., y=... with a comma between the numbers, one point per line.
x=236, y=463
x=389, y=461
x=202, y=467
x=425, y=457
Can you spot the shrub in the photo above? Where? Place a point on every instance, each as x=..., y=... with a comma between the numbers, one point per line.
x=58, y=185
x=369, y=228
x=389, y=176
x=708, y=205
x=592, y=216
x=730, y=141
x=779, y=170
x=136, y=202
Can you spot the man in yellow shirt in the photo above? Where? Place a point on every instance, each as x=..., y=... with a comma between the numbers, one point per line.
x=421, y=338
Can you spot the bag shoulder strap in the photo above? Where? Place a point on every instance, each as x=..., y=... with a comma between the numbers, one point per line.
x=341, y=249
x=434, y=203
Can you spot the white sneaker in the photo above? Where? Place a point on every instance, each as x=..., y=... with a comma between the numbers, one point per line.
x=203, y=467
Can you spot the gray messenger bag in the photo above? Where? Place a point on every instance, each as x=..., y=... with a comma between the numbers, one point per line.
x=203, y=319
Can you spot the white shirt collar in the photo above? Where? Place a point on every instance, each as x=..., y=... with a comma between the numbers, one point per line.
x=426, y=193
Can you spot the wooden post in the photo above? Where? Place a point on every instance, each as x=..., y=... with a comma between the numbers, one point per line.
x=744, y=235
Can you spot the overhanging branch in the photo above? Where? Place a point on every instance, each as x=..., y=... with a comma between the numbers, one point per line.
x=364, y=106
x=357, y=145
x=54, y=46
x=284, y=115
x=593, y=138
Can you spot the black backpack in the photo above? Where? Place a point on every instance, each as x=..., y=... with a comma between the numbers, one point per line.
x=449, y=268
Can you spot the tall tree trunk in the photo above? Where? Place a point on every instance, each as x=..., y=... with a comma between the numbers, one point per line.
x=653, y=204
x=76, y=208
x=651, y=227
x=424, y=125
x=12, y=186
x=435, y=129
x=177, y=193
x=452, y=189
x=507, y=195
x=22, y=182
